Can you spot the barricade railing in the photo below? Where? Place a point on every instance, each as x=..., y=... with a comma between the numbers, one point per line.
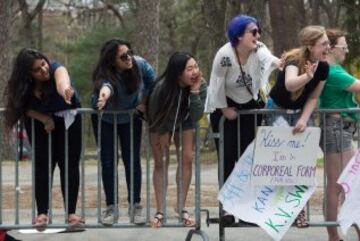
x=18, y=206
x=319, y=117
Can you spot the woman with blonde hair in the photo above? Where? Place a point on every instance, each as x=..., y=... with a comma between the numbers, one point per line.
x=299, y=85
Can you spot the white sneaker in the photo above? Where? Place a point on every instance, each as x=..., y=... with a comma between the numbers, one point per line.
x=110, y=215
x=138, y=218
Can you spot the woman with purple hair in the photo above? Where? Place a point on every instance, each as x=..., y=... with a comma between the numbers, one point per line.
x=240, y=69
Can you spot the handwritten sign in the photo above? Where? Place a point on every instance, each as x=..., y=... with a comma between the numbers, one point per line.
x=282, y=158
x=273, y=208
x=350, y=182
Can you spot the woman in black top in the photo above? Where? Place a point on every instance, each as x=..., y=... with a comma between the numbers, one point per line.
x=41, y=91
x=299, y=85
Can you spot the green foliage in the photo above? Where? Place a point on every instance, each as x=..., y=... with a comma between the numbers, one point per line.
x=83, y=54
x=183, y=28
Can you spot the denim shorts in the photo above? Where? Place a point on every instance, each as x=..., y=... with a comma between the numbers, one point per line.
x=291, y=116
x=187, y=124
x=338, y=137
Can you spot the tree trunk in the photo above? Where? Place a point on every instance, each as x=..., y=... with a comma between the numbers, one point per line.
x=27, y=18
x=148, y=30
x=5, y=22
x=315, y=11
x=40, y=31
x=214, y=13
x=286, y=21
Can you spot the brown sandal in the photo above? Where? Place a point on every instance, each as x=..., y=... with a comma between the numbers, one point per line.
x=186, y=219
x=158, y=220
x=40, y=222
x=75, y=220
x=301, y=220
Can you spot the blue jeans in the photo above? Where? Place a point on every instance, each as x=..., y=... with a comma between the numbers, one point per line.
x=107, y=158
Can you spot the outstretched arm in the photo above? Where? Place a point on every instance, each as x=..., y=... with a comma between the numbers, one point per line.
x=63, y=85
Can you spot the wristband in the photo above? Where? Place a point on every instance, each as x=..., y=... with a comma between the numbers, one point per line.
x=194, y=91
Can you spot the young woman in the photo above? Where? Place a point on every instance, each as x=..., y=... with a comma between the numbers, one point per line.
x=41, y=90
x=183, y=90
x=299, y=85
x=338, y=93
x=240, y=69
x=122, y=82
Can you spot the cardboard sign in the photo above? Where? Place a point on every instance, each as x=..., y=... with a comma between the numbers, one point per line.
x=273, y=208
x=350, y=182
x=282, y=158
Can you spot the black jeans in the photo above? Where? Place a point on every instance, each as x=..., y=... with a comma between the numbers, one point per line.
x=58, y=157
x=107, y=157
x=233, y=148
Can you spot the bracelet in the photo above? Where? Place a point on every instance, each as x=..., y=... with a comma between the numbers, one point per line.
x=194, y=91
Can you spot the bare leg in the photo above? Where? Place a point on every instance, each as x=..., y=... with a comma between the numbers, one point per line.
x=158, y=175
x=186, y=173
x=335, y=162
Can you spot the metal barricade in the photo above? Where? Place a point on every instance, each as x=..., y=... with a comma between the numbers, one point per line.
x=319, y=117
x=17, y=192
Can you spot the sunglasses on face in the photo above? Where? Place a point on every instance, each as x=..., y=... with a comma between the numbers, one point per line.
x=127, y=55
x=254, y=31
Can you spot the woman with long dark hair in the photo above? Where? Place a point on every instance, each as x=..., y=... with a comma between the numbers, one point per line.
x=176, y=104
x=41, y=91
x=122, y=82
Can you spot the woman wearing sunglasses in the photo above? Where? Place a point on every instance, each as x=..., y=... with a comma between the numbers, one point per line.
x=338, y=93
x=122, y=82
x=240, y=69
x=183, y=90
x=40, y=91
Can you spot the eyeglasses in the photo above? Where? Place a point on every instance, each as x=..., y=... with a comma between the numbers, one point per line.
x=254, y=31
x=126, y=56
x=324, y=44
x=343, y=47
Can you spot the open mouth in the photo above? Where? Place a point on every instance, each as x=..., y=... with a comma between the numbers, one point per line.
x=194, y=78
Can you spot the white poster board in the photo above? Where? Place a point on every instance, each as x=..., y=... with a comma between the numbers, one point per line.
x=282, y=158
x=350, y=182
x=273, y=208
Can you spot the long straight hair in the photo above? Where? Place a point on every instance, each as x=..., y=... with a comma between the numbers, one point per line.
x=106, y=70
x=20, y=85
x=168, y=87
x=308, y=36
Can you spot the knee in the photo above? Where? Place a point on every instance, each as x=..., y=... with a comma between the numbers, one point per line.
x=159, y=164
x=187, y=158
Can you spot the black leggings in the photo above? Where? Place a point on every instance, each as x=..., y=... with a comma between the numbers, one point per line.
x=232, y=147
x=58, y=157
